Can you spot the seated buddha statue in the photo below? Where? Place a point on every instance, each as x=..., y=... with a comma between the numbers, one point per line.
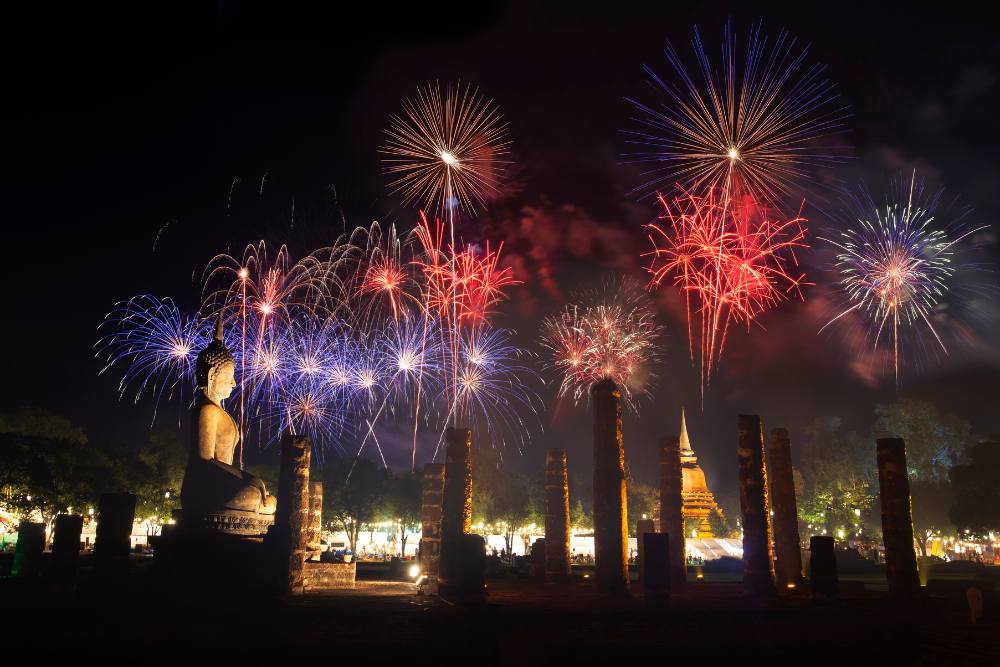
x=212, y=484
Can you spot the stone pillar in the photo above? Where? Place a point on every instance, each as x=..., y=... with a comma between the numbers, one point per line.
x=610, y=505
x=430, y=518
x=655, y=550
x=291, y=521
x=642, y=526
x=456, y=509
x=557, y=529
x=538, y=558
x=672, y=508
x=115, y=516
x=28, y=550
x=314, y=545
x=786, y=521
x=822, y=566
x=897, y=519
x=758, y=565
x=66, y=548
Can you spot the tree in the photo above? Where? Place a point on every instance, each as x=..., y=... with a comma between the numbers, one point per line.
x=580, y=516
x=52, y=476
x=353, y=493
x=935, y=443
x=505, y=501
x=720, y=524
x=40, y=423
x=404, y=504
x=154, y=475
x=976, y=506
x=643, y=501
x=840, y=486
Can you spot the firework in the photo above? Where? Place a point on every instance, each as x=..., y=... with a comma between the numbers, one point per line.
x=446, y=150
x=610, y=334
x=730, y=261
x=369, y=329
x=758, y=125
x=897, y=263
x=154, y=343
x=493, y=390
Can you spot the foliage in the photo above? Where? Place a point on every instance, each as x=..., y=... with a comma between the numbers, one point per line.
x=580, y=516
x=155, y=475
x=354, y=493
x=642, y=499
x=976, y=507
x=934, y=442
x=403, y=504
x=839, y=477
x=40, y=423
x=720, y=525
x=507, y=500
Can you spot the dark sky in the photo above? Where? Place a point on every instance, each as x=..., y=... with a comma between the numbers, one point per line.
x=122, y=130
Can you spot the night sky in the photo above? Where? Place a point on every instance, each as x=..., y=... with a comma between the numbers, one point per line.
x=135, y=147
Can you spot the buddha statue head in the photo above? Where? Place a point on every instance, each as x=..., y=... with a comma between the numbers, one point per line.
x=215, y=369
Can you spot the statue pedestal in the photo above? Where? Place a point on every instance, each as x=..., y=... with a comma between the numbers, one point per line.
x=220, y=553
x=234, y=522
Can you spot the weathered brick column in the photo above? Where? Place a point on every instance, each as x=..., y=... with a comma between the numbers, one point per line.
x=897, y=518
x=672, y=508
x=456, y=509
x=557, y=529
x=66, y=548
x=291, y=521
x=822, y=566
x=758, y=566
x=787, y=547
x=28, y=550
x=115, y=516
x=642, y=526
x=656, y=565
x=610, y=505
x=315, y=533
x=431, y=499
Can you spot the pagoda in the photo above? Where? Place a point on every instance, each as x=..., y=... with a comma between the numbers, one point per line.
x=698, y=500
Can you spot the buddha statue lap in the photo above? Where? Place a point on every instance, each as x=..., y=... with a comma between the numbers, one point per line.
x=214, y=491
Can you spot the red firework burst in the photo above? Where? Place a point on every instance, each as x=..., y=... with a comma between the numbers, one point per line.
x=730, y=260
x=460, y=284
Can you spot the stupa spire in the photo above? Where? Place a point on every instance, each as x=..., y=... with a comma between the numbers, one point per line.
x=685, y=440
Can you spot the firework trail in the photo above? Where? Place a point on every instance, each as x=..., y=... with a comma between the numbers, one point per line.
x=608, y=334
x=155, y=344
x=897, y=263
x=494, y=386
x=446, y=150
x=265, y=297
x=446, y=154
x=756, y=125
x=730, y=261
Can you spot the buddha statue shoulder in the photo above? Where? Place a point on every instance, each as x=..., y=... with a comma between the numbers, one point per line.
x=212, y=484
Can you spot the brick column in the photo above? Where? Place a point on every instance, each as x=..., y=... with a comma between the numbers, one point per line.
x=557, y=529
x=672, y=508
x=758, y=565
x=432, y=497
x=291, y=520
x=786, y=522
x=897, y=519
x=456, y=510
x=115, y=516
x=315, y=533
x=610, y=505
